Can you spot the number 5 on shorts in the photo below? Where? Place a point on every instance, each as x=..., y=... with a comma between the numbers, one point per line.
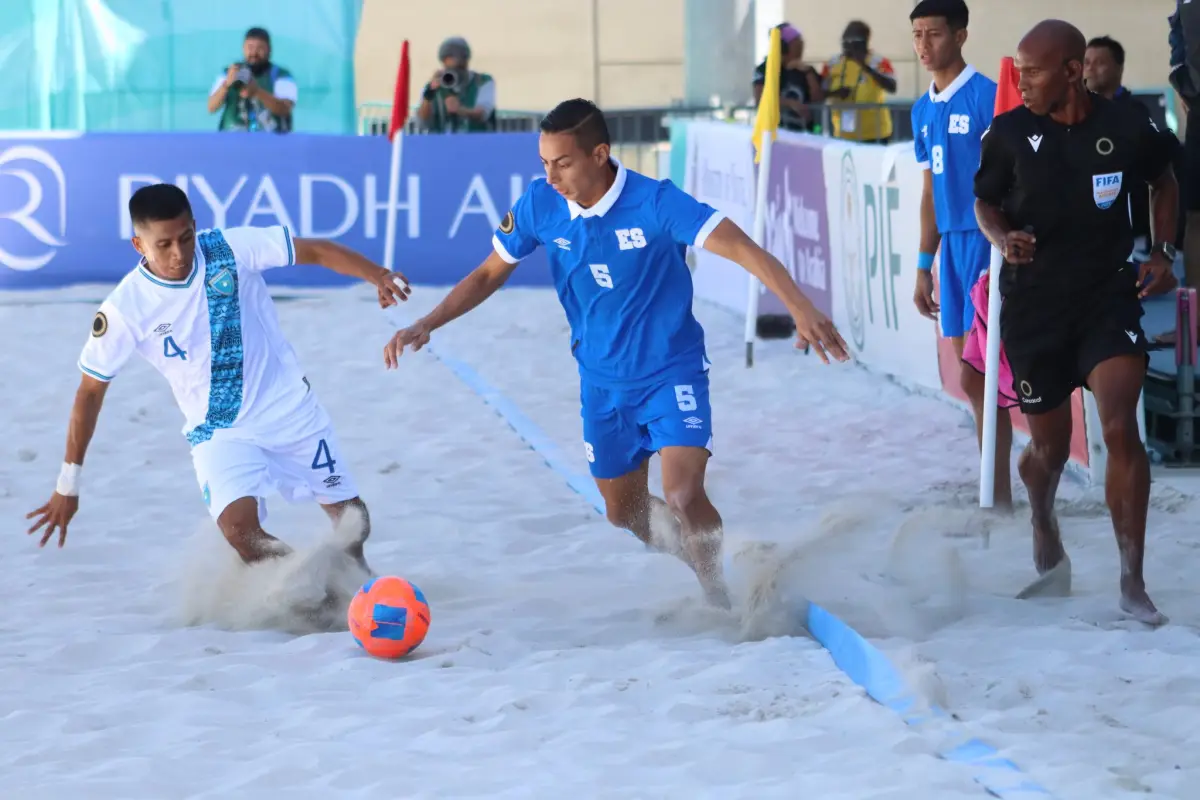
x=685, y=397
x=323, y=453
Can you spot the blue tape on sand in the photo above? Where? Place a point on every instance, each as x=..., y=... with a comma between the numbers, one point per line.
x=860, y=660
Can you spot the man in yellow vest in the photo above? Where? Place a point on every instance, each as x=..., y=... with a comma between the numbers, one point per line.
x=860, y=78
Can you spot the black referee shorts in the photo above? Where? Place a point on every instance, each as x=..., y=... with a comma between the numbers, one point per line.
x=1054, y=341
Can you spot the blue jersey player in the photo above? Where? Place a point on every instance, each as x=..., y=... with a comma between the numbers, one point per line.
x=616, y=243
x=948, y=125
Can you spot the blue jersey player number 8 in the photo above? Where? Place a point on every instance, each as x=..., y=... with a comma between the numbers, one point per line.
x=616, y=242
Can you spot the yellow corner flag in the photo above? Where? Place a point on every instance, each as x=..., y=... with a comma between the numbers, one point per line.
x=766, y=121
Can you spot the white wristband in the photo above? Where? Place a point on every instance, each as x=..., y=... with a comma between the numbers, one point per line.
x=68, y=480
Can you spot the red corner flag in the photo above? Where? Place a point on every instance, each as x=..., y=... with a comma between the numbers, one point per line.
x=1008, y=96
x=400, y=96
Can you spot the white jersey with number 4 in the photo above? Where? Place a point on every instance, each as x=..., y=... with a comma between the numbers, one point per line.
x=214, y=335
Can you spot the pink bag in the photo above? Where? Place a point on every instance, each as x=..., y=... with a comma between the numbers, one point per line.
x=975, y=344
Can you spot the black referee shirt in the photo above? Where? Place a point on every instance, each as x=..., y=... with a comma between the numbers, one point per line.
x=1069, y=184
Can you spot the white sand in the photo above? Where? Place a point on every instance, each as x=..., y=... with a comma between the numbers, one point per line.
x=563, y=659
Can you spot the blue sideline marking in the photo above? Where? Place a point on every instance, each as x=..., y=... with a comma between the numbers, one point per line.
x=860, y=660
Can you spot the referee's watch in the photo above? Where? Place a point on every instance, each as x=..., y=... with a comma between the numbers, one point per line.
x=1168, y=250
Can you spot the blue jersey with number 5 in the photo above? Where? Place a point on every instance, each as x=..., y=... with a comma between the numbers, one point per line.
x=620, y=273
x=948, y=127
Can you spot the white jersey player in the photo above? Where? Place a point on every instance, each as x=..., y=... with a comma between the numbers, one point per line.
x=198, y=309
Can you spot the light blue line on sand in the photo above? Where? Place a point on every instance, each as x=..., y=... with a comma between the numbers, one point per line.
x=860, y=660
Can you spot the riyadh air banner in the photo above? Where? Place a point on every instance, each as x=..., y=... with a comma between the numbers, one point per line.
x=63, y=217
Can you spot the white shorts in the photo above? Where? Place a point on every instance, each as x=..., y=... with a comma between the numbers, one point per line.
x=299, y=462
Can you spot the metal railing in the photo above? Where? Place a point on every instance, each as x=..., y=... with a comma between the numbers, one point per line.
x=638, y=135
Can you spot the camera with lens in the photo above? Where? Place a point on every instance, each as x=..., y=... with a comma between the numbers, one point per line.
x=452, y=79
x=244, y=75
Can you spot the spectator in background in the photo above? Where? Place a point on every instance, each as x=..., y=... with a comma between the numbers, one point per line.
x=948, y=123
x=799, y=84
x=458, y=100
x=1103, y=68
x=860, y=77
x=1184, y=40
x=254, y=94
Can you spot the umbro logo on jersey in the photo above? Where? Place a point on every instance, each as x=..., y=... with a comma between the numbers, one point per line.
x=563, y=244
x=164, y=329
x=1035, y=142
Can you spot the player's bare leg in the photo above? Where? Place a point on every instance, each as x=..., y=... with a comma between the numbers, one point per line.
x=1117, y=384
x=1041, y=466
x=240, y=524
x=683, y=471
x=973, y=385
x=629, y=505
x=336, y=512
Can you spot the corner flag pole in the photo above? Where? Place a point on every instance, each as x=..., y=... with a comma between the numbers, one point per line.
x=766, y=123
x=1008, y=97
x=396, y=137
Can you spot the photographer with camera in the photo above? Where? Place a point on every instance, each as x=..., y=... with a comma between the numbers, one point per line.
x=860, y=77
x=458, y=100
x=254, y=94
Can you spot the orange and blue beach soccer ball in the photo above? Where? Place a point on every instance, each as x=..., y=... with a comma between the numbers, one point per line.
x=389, y=617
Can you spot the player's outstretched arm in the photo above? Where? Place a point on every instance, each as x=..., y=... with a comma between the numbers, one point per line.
x=472, y=290
x=390, y=286
x=813, y=328
x=56, y=514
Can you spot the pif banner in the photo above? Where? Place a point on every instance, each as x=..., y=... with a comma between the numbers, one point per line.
x=874, y=201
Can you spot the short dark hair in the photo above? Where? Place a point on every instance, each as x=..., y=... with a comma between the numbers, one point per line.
x=157, y=203
x=856, y=27
x=1112, y=45
x=260, y=34
x=581, y=118
x=955, y=12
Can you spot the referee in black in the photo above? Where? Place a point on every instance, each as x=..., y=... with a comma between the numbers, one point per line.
x=1051, y=194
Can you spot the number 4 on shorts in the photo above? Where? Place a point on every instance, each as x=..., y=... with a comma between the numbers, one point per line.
x=323, y=453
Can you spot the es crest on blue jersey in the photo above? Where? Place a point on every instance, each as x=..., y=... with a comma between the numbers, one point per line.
x=631, y=238
x=222, y=283
x=1106, y=189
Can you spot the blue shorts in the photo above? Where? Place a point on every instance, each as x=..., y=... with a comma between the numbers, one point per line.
x=964, y=257
x=624, y=427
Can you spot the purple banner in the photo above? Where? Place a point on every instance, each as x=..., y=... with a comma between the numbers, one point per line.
x=797, y=229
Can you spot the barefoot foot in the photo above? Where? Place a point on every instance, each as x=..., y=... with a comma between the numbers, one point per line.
x=1054, y=582
x=1135, y=602
x=1048, y=551
x=717, y=595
